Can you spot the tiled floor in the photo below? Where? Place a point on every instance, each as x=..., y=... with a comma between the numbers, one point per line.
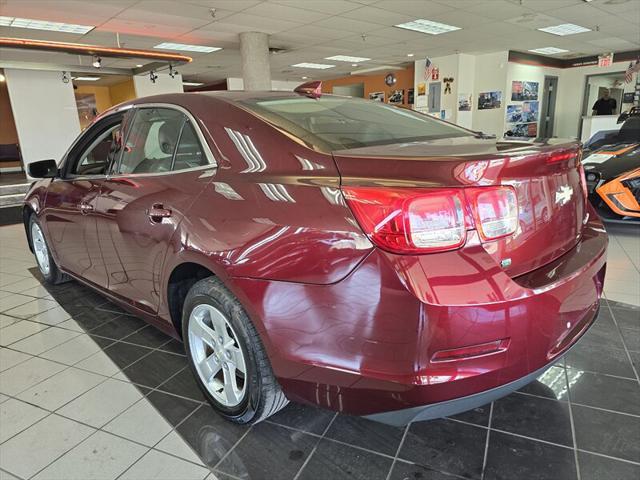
x=87, y=391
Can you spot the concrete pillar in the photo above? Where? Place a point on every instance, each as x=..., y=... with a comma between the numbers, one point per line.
x=254, y=50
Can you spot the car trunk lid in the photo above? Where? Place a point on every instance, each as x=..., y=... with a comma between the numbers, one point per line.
x=546, y=178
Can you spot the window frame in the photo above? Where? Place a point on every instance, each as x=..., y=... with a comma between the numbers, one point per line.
x=212, y=163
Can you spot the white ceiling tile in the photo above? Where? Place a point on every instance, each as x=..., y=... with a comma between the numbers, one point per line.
x=331, y=7
x=286, y=12
x=235, y=5
x=421, y=9
x=348, y=24
x=377, y=15
x=258, y=23
x=319, y=32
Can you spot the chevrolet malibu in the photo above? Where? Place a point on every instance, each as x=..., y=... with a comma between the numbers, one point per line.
x=327, y=250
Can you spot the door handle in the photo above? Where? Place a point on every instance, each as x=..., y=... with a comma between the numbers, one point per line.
x=157, y=212
x=85, y=208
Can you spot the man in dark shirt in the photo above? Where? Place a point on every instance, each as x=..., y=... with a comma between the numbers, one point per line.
x=605, y=105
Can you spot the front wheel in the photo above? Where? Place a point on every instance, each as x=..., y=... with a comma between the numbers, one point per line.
x=46, y=264
x=226, y=355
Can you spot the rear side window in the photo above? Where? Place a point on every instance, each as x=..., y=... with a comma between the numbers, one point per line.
x=337, y=123
x=160, y=140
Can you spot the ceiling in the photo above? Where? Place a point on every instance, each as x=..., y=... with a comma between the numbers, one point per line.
x=310, y=30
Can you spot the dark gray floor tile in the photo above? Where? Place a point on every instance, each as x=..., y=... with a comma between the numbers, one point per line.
x=512, y=457
x=627, y=316
x=148, y=336
x=477, y=416
x=551, y=384
x=447, y=446
x=366, y=433
x=603, y=333
x=335, y=461
x=173, y=409
x=594, y=467
x=303, y=417
x=183, y=383
x=102, y=341
x=90, y=319
x=619, y=394
x=155, y=368
x=411, y=471
x=210, y=435
x=631, y=338
x=612, y=434
x=269, y=451
x=124, y=354
x=591, y=358
x=173, y=346
x=635, y=358
x=119, y=328
x=534, y=417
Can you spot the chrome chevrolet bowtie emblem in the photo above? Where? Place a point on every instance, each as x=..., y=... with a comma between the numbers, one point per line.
x=564, y=194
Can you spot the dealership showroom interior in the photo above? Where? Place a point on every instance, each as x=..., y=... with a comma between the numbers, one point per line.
x=320, y=239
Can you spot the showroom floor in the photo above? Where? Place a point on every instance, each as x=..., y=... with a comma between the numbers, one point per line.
x=87, y=391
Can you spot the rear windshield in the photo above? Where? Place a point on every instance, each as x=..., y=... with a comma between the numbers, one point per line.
x=338, y=123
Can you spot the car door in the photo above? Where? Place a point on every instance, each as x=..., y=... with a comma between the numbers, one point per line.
x=71, y=200
x=161, y=171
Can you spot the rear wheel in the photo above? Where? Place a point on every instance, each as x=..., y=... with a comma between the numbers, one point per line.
x=46, y=264
x=226, y=355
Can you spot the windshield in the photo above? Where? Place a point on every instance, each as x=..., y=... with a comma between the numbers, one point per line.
x=338, y=123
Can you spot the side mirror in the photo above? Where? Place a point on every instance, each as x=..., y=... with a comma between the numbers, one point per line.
x=43, y=169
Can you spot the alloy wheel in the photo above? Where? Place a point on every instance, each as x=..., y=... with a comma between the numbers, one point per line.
x=217, y=355
x=40, y=249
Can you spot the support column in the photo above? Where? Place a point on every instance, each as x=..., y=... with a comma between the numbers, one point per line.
x=254, y=50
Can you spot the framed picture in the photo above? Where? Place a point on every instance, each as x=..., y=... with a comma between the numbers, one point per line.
x=522, y=130
x=521, y=91
x=530, y=112
x=396, y=97
x=464, y=102
x=627, y=97
x=422, y=89
x=377, y=96
x=514, y=113
x=489, y=100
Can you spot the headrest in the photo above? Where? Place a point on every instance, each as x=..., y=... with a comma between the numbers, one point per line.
x=168, y=136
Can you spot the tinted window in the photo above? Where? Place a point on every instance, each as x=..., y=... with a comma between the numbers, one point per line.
x=339, y=123
x=102, y=151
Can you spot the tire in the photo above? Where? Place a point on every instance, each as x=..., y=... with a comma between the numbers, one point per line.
x=210, y=313
x=46, y=263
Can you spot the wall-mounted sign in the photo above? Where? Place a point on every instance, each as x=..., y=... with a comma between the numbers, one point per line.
x=605, y=60
x=435, y=74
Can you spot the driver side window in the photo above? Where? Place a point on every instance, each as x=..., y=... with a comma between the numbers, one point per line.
x=95, y=159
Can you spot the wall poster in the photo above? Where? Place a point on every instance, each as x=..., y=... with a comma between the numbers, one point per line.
x=396, y=97
x=530, y=112
x=524, y=91
x=489, y=100
x=377, y=96
x=464, y=102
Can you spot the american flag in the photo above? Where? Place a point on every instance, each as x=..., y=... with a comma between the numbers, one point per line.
x=633, y=68
x=428, y=69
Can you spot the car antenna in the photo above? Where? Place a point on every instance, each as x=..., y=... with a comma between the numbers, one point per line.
x=310, y=89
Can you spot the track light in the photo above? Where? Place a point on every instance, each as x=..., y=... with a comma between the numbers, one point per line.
x=152, y=76
x=97, y=62
x=172, y=71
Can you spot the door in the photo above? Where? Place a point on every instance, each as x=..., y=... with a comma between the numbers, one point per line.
x=548, y=111
x=434, y=97
x=161, y=171
x=71, y=201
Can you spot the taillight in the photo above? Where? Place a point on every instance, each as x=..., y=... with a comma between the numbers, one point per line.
x=412, y=220
x=583, y=181
x=495, y=211
x=407, y=220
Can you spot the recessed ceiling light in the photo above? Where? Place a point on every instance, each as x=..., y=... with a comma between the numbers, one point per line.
x=45, y=25
x=565, y=29
x=409, y=54
x=548, y=50
x=427, y=26
x=188, y=48
x=2, y=78
x=139, y=65
x=318, y=66
x=86, y=79
x=347, y=58
x=304, y=78
x=192, y=84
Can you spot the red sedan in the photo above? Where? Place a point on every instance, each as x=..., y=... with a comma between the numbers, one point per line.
x=327, y=250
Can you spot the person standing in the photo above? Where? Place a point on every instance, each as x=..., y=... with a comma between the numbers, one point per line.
x=605, y=105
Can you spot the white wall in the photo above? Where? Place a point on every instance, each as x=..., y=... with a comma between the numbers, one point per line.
x=45, y=113
x=465, y=84
x=285, y=85
x=164, y=84
x=490, y=76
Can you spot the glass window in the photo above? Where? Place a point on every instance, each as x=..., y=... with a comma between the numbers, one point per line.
x=152, y=140
x=189, y=153
x=95, y=159
x=337, y=123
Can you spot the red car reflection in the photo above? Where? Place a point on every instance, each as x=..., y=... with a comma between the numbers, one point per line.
x=327, y=250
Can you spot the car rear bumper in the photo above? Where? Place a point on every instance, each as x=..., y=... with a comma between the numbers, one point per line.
x=366, y=345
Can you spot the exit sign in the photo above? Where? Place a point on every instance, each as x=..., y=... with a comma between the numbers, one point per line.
x=605, y=60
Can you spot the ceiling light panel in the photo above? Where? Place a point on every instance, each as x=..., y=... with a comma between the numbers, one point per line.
x=565, y=29
x=427, y=26
x=45, y=25
x=186, y=47
x=192, y=84
x=548, y=50
x=347, y=58
x=317, y=66
x=86, y=79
